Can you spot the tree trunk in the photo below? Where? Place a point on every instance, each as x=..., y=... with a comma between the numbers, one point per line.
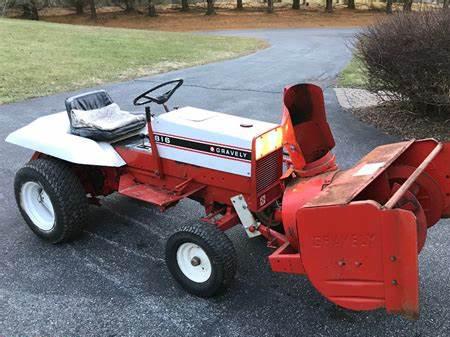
x=79, y=7
x=151, y=9
x=296, y=4
x=184, y=5
x=445, y=4
x=389, y=6
x=239, y=4
x=129, y=6
x=351, y=4
x=210, y=7
x=93, y=9
x=30, y=10
x=329, y=6
x=407, y=5
x=269, y=6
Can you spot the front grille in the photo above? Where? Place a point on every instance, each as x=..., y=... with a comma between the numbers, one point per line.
x=268, y=170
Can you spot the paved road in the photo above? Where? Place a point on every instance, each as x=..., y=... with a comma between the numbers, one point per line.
x=113, y=282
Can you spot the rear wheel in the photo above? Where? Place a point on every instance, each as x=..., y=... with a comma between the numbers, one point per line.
x=51, y=199
x=202, y=259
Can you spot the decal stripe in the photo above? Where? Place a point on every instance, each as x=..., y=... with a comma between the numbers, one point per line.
x=200, y=141
x=201, y=152
x=211, y=149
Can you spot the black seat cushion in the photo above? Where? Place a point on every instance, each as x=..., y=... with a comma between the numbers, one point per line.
x=94, y=115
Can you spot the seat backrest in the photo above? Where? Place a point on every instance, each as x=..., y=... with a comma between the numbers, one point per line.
x=88, y=101
x=304, y=106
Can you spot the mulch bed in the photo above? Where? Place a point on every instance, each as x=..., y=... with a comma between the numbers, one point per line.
x=227, y=18
x=395, y=120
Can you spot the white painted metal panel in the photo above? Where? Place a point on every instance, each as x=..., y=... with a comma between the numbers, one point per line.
x=202, y=160
x=210, y=126
x=223, y=133
x=220, y=132
x=51, y=135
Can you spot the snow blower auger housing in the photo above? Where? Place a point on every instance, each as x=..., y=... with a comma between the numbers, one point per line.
x=356, y=234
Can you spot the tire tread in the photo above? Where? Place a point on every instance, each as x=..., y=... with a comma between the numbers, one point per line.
x=67, y=193
x=220, y=245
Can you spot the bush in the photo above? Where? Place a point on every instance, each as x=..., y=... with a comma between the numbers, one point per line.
x=407, y=57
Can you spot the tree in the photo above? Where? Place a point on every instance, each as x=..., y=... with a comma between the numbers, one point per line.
x=296, y=4
x=30, y=10
x=269, y=6
x=184, y=5
x=151, y=9
x=210, y=7
x=79, y=6
x=389, y=6
x=93, y=9
x=351, y=4
x=407, y=5
x=329, y=6
x=445, y=4
x=129, y=5
x=239, y=4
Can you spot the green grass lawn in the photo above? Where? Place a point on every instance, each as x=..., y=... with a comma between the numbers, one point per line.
x=38, y=58
x=353, y=76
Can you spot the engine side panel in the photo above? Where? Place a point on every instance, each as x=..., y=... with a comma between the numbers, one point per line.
x=208, y=139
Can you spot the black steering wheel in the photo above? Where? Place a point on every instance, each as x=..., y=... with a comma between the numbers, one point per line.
x=144, y=98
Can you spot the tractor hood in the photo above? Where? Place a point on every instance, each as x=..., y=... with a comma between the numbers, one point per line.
x=209, y=139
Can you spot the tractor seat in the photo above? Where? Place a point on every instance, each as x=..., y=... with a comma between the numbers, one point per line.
x=94, y=115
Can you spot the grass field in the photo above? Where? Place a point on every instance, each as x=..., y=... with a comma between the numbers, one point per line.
x=353, y=76
x=39, y=58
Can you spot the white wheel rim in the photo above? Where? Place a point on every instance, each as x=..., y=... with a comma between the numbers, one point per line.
x=38, y=206
x=194, y=263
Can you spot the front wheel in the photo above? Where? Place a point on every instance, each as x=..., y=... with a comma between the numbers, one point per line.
x=202, y=259
x=51, y=199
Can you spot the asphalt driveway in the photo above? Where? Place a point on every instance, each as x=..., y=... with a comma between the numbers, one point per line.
x=113, y=281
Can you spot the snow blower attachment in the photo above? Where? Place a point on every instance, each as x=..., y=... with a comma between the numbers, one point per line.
x=356, y=234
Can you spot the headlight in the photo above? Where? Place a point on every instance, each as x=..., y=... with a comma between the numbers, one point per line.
x=268, y=142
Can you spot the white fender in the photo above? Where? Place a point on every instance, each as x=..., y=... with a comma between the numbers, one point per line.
x=51, y=135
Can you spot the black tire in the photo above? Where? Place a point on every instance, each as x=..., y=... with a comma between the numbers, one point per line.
x=218, y=248
x=66, y=195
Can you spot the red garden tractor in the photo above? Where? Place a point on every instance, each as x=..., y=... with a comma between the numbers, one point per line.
x=356, y=233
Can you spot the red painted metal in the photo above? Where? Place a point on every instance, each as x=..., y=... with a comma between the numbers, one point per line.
x=354, y=257
x=438, y=170
x=36, y=155
x=410, y=203
x=323, y=164
x=285, y=259
x=355, y=233
x=220, y=186
x=359, y=231
x=154, y=194
x=307, y=135
x=222, y=218
x=155, y=158
x=407, y=184
x=164, y=182
x=425, y=189
x=297, y=193
x=348, y=184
